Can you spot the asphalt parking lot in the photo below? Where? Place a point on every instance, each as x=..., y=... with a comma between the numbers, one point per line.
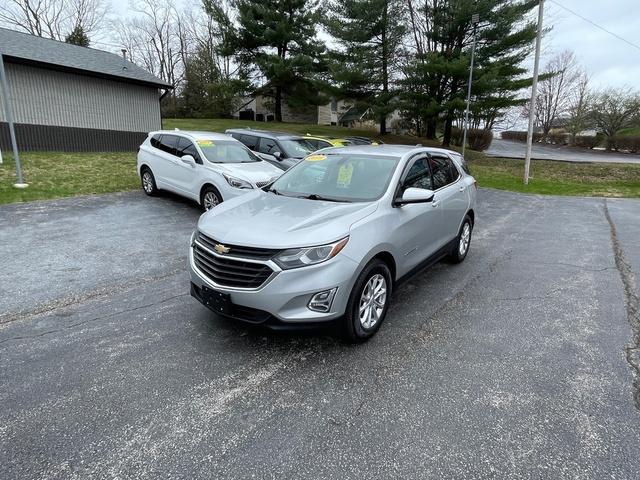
x=512, y=149
x=518, y=363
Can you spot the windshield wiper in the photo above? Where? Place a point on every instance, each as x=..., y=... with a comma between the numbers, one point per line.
x=315, y=196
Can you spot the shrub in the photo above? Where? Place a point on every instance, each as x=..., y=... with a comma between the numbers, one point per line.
x=586, y=141
x=628, y=144
x=558, y=136
x=479, y=139
x=520, y=136
x=456, y=136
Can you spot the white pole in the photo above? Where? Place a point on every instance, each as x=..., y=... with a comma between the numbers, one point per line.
x=475, y=19
x=534, y=93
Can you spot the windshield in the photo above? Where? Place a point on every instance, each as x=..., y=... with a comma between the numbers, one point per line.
x=297, y=148
x=337, y=177
x=226, y=152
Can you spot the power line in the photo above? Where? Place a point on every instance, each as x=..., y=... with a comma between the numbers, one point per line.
x=634, y=45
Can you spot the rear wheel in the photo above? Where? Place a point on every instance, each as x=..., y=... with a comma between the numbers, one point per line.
x=209, y=198
x=368, y=302
x=148, y=182
x=461, y=247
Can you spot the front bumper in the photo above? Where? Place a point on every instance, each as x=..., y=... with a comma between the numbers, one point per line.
x=284, y=297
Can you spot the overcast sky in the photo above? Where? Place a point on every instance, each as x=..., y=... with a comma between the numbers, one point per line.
x=609, y=61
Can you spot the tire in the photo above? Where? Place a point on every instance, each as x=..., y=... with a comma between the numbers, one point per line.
x=463, y=242
x=360, y=329
x=148, y=182
x=209, y=198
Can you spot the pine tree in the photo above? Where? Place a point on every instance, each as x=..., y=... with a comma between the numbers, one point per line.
x=369, y=35
x=436, y=77
x=280, y=38
x=78, y=37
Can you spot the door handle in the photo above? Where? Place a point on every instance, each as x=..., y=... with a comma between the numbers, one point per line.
x=435, y=203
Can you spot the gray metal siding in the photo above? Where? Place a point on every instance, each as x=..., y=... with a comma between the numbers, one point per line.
x=49, y=97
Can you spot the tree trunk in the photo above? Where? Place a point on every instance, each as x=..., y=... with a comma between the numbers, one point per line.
x=448, y=126
x=278, y=104
x=430, y=129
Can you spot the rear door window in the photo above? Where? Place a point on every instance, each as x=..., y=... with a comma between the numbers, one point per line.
x=169, y=144
x=443, y=170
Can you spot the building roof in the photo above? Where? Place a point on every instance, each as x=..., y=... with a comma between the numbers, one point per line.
x=19, y=47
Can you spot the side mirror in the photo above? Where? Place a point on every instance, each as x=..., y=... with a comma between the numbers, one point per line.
x=188, y=159
x=414, y=195
x=277, y=155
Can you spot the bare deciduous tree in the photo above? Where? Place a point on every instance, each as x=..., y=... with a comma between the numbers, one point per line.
x=54, y=18
x=553, y=100
x=578, y=106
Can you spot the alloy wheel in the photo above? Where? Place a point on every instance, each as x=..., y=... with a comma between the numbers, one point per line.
x=210, y=200
x=372, y=301
x=465, y=239
x=147, y=182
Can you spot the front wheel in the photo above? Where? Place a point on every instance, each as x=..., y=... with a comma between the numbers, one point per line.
x=368, y=302
x=210, y=198
x=463, y=242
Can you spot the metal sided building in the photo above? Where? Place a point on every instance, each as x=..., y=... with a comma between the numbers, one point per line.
x=71, y=98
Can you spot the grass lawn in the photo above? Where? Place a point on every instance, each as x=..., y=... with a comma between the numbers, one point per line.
x=630, y=132
x=54, y=175
x=559, y=178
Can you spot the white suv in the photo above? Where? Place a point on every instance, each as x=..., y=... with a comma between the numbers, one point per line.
x=206, y=167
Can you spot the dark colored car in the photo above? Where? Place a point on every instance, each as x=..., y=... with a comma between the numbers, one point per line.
x=283, y=150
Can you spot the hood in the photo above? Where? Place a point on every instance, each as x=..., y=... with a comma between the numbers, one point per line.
x=254, y=171
x=262, y=219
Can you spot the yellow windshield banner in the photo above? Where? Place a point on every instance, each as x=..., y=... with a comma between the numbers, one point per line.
x=315, y=158
x=344, y=175
x=205, y=143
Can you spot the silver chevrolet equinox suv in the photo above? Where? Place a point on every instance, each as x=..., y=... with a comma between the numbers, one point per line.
x=333, y=236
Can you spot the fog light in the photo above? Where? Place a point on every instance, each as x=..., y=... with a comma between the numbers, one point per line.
x=321, y=301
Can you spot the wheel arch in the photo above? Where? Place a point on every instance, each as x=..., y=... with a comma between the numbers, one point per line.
x=204, y=186
x=472, y=216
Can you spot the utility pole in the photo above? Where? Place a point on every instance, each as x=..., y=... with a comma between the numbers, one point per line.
x=475, y=19
x=534, y=93
x=9, y=114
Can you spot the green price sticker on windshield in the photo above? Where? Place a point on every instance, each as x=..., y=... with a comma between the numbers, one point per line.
x=344, y=175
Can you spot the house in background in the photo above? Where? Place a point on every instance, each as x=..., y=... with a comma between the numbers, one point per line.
x=259, y=107
x=71, y=98
x=363, y=118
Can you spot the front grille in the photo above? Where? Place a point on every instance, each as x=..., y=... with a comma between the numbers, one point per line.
x=252, y=253
x=229, y=272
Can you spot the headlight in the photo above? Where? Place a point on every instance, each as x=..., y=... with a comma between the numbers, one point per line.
x=300, y=257
x=236, y=182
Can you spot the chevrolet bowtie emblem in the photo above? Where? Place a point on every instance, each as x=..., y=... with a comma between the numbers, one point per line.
x=221, y=248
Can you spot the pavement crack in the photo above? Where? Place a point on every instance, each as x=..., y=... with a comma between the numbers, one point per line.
x=91, y=320
x=77, y=299
x=632, y=304
x=579, y=267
